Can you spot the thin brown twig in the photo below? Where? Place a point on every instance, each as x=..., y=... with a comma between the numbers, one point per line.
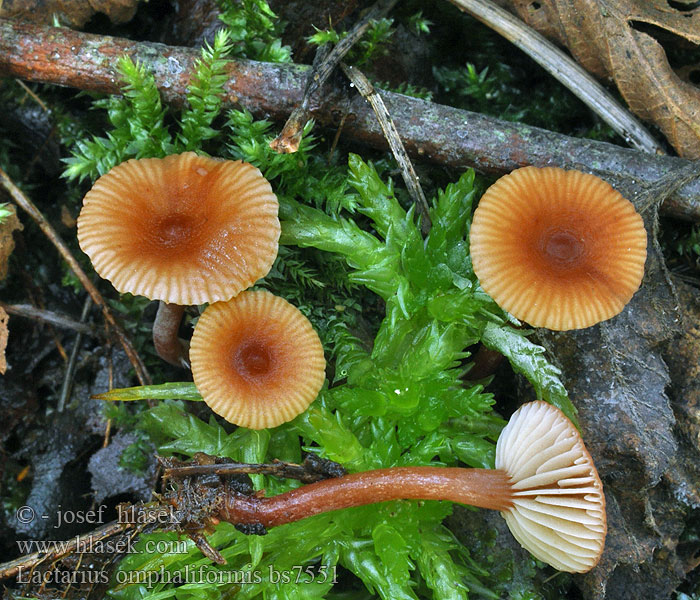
x=46, y=316
x=28, y=206
x=324, y=64
x=306, y=472
x=32, y=95
x=73, y=360
x=134, y=519
x=110, y=386
x=366, y=90
x=31, y=561
x=434, y=133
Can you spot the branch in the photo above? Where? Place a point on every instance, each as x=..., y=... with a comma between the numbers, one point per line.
x=57, y=319
x=410, y=179
x=325, y=62
x=431, y=132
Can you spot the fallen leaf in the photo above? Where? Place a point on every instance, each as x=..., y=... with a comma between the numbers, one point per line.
x=612, y=39
x=4, y=318
x=8, y=224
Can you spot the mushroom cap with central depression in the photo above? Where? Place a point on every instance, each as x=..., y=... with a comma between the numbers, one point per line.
x=256, y=360
x=185, y=229
x=557, y=249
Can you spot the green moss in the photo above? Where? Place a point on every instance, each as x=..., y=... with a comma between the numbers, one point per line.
x=395, y=312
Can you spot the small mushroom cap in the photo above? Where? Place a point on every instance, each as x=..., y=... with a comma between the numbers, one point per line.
x=557, y=249
x=184, y=229
x=256, y=360
x=558, y=511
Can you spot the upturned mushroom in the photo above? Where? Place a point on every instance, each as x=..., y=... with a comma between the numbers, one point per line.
x=545, y=485
x=557, y=249
x=256, y=360
x=184, y=229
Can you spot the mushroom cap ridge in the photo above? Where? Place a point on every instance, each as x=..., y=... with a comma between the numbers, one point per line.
x=557, y=249
x=185, y=229
x=558, y=511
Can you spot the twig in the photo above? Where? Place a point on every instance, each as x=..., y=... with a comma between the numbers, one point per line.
x=59, y=320
x=565, y=70
x=312, y=469
x=30, y=561
x=392, y=137
x=33, y=96
x=73, y=360
x=28, y=206
x=134, y=519
x=110, y=386
x=324, y=64
x=435, y=133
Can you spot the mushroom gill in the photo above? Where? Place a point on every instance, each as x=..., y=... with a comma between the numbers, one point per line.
x=558, y=506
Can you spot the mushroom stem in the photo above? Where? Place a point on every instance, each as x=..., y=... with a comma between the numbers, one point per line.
x=485, y=488
x=165, y=335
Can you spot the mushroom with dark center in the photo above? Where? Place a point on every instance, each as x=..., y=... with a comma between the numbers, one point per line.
x=184, y=229
x=557, y=249
x=256, y=360
x=545, y=485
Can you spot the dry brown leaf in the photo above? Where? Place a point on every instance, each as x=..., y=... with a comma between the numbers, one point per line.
x=74, y=13
x=4, y=318
x=7, y=244
x=605, y=36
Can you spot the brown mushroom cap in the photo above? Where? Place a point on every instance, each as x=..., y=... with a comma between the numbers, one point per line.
x=184, y=229
x=557, y=249
x=558, y=511
x=256, y=360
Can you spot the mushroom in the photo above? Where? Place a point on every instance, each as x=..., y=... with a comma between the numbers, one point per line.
x=184, y=229
x=557, y=249
x=545, y=485
x=256, y=360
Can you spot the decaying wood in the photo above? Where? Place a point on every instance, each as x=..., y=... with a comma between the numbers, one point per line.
x=435, y=133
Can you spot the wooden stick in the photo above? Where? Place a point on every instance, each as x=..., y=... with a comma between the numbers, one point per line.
x=57, y=319
x=324, y=64
x=410, y=179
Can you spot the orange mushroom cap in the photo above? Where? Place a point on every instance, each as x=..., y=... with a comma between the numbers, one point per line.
x=557, y=249
x=256, y=360
x=185, y=229
x=558, y=511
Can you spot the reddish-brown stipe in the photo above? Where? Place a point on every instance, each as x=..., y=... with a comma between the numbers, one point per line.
x=484, y=488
